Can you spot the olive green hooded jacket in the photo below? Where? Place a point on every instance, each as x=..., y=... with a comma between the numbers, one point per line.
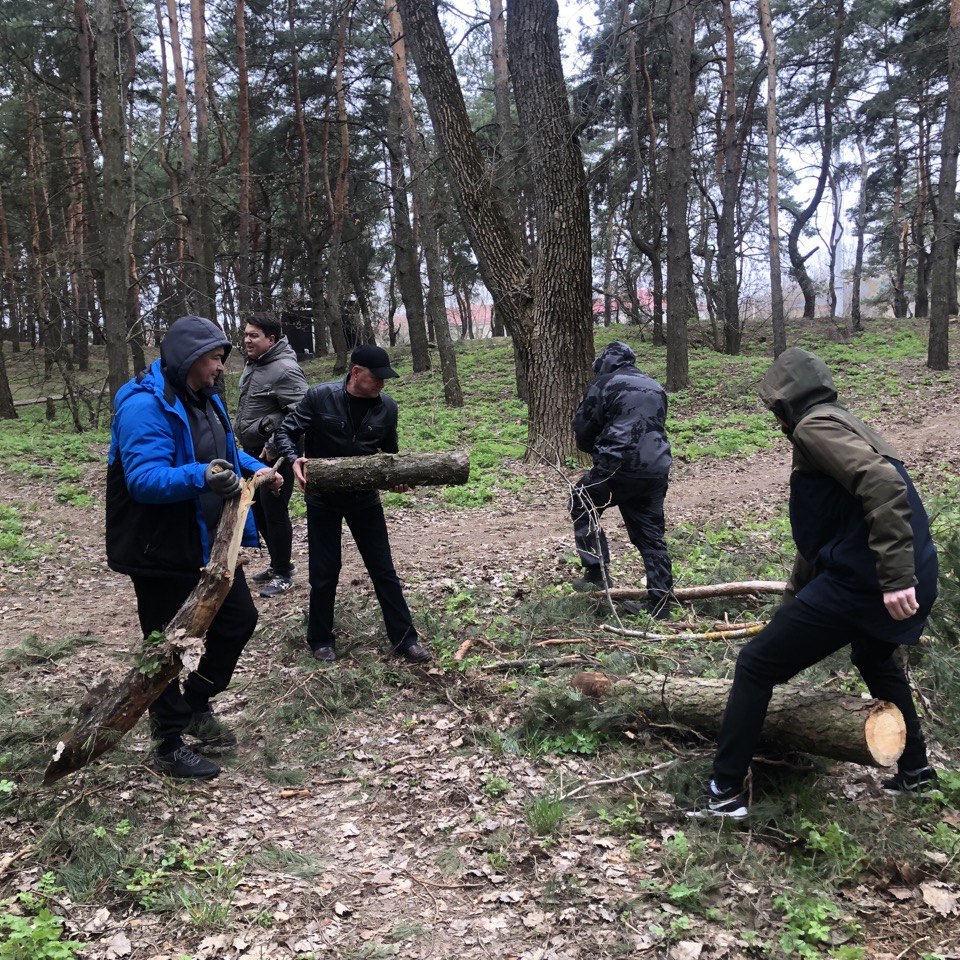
x=854, y=511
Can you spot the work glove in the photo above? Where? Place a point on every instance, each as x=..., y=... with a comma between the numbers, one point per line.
x=221, y=479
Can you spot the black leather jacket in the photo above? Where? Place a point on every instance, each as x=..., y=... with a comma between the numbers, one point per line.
x=322, y=419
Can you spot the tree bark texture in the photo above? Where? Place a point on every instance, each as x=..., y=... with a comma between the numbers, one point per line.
x=381, y=471
x=113, y=227
x=944, y=277
x=856, y=278
x=869, y=732
x=680, y=293
x=243, y=214
x=111, y=709
x=777, y=320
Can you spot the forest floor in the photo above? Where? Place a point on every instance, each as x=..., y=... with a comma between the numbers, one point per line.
x=377, y=810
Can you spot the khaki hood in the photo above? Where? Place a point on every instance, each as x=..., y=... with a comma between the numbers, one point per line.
x=795, y=383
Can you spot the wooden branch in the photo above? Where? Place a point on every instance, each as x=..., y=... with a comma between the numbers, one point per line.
x=871, y=732
x=385, y=470
x=744, y=589
x=738, y=634
x=113, y=708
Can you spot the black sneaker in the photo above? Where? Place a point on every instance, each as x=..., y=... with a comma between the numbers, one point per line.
x=913, y=783
x=592, y=580
x=325, y=654
x=267, y=575
x=184, y=764
x=279, y=584
x=713, y=802
x=214, y=735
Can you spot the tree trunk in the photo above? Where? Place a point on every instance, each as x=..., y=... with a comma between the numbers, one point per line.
x=243, y=225
x=206, y=277
x=547, y=313
x=385, y=470
x=416, y=326
x=110, y=710
x=114, y=232
x=856, y=279
x=507, y=170
x=7, y=410
x=868, y=732
x=777, y=319
x=680, y=295
x=944, y=274
x=9, y=282
x=802, y=218
x=730, y=188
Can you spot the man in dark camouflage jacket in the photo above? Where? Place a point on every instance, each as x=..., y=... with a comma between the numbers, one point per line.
x=621, y=423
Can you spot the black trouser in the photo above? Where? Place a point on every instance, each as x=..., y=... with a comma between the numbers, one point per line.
x=158, y=600
x=272, y=513
x=641, y=505
x=797, y=637
x=364, y=516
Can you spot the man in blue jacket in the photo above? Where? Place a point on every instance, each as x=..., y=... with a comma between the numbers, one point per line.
x=621, y=423
x=173, y=461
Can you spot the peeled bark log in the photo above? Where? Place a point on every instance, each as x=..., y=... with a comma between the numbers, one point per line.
x=113, y=708
x=381, y=471
x=870, y=732
x=745, y=589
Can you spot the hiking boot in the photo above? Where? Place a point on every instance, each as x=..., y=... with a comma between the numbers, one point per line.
x=214, y=735
x=413, y=653
x=184, y=764
x=279, y=584
x=913, y=783
x=267, y=575
x=325, y=654
x=714, y=802
x=592, y=580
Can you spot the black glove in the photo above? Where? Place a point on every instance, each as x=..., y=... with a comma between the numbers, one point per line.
x=223, y=481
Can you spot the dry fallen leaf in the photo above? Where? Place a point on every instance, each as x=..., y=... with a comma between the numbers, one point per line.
x=941, y=897
x=119, y=946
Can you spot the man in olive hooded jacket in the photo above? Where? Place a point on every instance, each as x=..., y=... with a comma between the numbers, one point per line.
x=865, y=575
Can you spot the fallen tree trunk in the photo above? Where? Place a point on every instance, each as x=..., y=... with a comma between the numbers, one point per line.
x=871, y=732
x=381, y=471
x=113, y=708
x=744, y=589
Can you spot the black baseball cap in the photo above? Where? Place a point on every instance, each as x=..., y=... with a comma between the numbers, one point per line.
x=375, y=359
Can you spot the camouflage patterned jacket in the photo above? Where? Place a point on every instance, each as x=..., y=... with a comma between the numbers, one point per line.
x=621, y=421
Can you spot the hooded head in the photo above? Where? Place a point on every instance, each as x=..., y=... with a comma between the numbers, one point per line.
x=187, y=340
x=796, y=382
x=615, y=356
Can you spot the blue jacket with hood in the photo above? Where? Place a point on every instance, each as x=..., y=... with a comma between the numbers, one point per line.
x=155, y=524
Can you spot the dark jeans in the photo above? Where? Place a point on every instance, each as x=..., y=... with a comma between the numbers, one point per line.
x=364, y=516
x=272, y=513
x=158, y=600
x=797, y=637
x=641, y=505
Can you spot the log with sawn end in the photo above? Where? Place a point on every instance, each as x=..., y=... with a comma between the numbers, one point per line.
x=381, y=471
x=799, y=719
x=744, y=589
x=111, y=709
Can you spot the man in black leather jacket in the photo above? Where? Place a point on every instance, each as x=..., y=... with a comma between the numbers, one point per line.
x=349, y=418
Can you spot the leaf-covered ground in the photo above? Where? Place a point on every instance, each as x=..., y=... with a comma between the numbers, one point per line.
x=378, y=810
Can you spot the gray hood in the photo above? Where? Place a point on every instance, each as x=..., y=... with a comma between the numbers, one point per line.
x=615, y=356
x=187, y=340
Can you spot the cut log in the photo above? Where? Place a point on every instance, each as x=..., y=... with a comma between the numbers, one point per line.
x=381, y=471
x=111, y=709
x=871, y=732
x=744, y=589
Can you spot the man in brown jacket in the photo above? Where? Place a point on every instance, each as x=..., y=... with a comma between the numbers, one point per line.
x=865, y=575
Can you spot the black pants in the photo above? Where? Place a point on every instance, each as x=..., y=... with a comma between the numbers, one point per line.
x=641, y=505
x=272, y=513
x=364, y=516
x=797, y=637
x=158, y=600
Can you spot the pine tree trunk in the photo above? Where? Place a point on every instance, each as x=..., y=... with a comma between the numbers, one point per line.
x=7, y=410
x=680, y=295
x=868, y=732
x=243, y=223
x=856, y=279
x=944, y=276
